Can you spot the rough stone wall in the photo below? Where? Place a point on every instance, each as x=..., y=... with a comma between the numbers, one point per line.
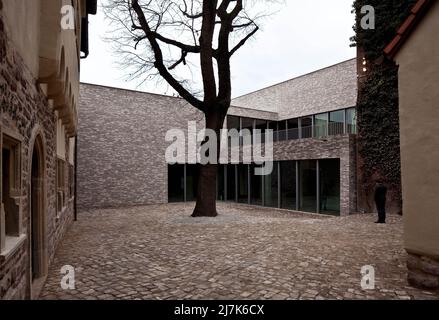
x=324, y=90
x=24, y=108
x=121, y=145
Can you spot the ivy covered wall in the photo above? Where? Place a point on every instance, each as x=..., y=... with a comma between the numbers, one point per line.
x=378, y=104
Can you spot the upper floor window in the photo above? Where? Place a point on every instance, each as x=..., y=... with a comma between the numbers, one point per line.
x=336, y=123
x=351, y=121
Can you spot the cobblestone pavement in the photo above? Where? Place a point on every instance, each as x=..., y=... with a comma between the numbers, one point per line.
x=159, y=252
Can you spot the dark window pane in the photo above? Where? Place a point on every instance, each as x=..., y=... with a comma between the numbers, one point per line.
x=336, y=123
x=288, y=184
x=293, y=129
x=233, y=122
x=271, y=188
x=176, y=183
x=330, y=186
x=282, y=128
x=231, y=184
x=308, y=185
x=256, y=186
x=243, y=183
x=191, y=181
x=306, y=127
x=272, y=125
x=262, y=126
x=221, y=189
x=247, y=124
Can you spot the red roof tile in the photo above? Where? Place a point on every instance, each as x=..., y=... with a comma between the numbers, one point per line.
x=417, y=13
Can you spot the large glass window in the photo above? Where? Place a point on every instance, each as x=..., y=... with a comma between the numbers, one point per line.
x=330, y=186
x=191, y=182
x=231, y=182
x=271, y=188
x=282, y=128
x=293, y=129
x=288, y=184
x=308, y=185
x=243, y=183
x=233, y=122
x=306, y=127
x=220, y=183
x=272, y=125
x=351, y=121
x=321, y=125
x=262, y=126
x=176, y=183
x=336, y=122
x=255, y=186
x=247, y=124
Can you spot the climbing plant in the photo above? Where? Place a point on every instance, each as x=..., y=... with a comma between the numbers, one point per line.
x=378, y=104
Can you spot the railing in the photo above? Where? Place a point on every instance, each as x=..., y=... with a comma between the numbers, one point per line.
x=318, y=131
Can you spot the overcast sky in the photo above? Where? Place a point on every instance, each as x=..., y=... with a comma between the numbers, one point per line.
x=302, y=37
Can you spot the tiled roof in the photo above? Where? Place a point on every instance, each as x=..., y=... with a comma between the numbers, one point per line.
x=417, y=13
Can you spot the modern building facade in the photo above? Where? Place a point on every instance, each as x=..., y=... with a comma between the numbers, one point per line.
x=416, y=51
x=122, y=146
x=39, y=94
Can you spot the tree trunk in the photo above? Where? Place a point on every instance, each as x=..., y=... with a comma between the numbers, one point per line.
x=207, y=174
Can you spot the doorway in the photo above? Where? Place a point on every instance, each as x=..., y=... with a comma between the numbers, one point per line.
x=37, y=223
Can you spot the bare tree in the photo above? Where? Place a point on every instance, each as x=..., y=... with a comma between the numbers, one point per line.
x=157, y=37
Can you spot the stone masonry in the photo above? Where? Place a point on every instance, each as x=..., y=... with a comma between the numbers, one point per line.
x=122, y=146
x=24, y=108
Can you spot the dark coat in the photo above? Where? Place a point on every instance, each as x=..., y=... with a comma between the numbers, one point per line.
x=380, y=194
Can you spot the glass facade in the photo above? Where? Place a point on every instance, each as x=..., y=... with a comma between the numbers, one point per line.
x=306, y=185
x=176, y=183
x=243, y=183
x=336, y=122
x=306, y=127
x=320, y=125
x=231, y=182
x=288, y=185
x=220, y=183
x=271, y=188
x=191, y=182
x=256, y=184
x=342, y=121
x=329, y=186
x=351, y=121
x=247, y=130
x=262, y=126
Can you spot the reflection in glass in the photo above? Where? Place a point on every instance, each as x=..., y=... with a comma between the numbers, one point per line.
x=288, y=184
x=271, y=188
x=308, y=185
x=231, y=184
x=306, y=127
x=351, y=121
x=293, y=129
x=242, y=183
x=320, y=125
x=221, y=196
x=336, y=123
x=330, y=186
x=191, y=182
x=256, y=186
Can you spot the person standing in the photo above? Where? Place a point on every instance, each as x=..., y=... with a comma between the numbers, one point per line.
x=380, y=201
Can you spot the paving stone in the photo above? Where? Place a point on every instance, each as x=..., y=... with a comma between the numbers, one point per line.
x=160, y=252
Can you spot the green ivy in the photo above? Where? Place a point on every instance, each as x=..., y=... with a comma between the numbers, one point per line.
x=378, y=104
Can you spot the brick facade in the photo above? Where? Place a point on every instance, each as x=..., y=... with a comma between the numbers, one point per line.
x=25, y=111
x=122, y=145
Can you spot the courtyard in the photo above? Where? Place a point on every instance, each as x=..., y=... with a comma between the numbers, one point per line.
x=160, y=252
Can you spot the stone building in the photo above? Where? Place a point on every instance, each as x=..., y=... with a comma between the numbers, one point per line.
x=122, y=146
x=416, y=51
x=39, y=85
